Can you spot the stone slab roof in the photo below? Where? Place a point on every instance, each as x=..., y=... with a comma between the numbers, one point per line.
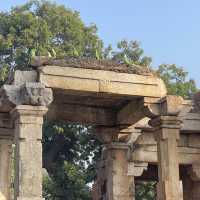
x=91, y=64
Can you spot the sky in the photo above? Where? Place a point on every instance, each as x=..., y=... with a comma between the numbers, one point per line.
x=168, y=30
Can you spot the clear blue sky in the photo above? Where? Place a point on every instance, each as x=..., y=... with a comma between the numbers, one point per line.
x=169, y=30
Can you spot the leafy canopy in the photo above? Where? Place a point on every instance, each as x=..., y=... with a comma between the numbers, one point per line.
x=43, y=28
x=176, y=80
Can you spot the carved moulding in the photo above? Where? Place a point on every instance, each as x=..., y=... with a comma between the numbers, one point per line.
x=30, y=93
x=136, y=168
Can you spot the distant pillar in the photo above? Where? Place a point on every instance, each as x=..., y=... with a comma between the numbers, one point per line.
x=167, y=135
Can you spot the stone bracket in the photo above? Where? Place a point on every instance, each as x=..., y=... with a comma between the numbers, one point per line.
x=30, y=93
x=136, y=168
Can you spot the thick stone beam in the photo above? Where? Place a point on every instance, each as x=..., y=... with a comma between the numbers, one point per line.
x=186, y=156
x=101, y=81
x=82, y=114
x=191, y=123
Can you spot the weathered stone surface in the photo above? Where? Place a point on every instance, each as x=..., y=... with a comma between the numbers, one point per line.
x=27, y=94
x=36, y=94
x=28, y=160
x=167, y=136
x=5, y=168
x=21, y=77
x=136, y=168
x=73, y=79
x=168, y=105
x=120, y=184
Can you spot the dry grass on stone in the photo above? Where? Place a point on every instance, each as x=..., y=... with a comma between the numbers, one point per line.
x=87, y=63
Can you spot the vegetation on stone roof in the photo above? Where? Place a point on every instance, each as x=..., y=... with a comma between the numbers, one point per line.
x=90, y=63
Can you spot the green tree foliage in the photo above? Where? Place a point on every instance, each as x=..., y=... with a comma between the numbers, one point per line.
x=130, y=53
x=43, y=28
x=145, y=190
x=176, y=80
x=70, y=153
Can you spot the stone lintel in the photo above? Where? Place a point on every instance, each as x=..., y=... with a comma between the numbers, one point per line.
x=101, y=81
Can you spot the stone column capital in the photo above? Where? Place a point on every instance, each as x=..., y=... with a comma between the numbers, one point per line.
x=26, y=114
x=30, y=93
x=166, y=121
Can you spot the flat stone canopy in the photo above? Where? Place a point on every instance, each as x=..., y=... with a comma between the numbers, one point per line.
x=99, y=93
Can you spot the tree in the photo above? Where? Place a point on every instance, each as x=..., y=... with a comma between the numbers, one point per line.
x=176, y=80
x=43, y=28
x=70, y=153
x=130, y=53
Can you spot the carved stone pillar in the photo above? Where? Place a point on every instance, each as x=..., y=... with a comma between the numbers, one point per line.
x=27, y=104
x=167, y=134
x=120, y=185
x=28, y=155
x=6, y=140
x=5, y=168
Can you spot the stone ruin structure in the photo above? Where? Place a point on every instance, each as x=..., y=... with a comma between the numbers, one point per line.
x=147, y=134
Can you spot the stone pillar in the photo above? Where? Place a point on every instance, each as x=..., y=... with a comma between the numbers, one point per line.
x=167, y=134
x=28, y=156
x=5, y=168
x=120, y=186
